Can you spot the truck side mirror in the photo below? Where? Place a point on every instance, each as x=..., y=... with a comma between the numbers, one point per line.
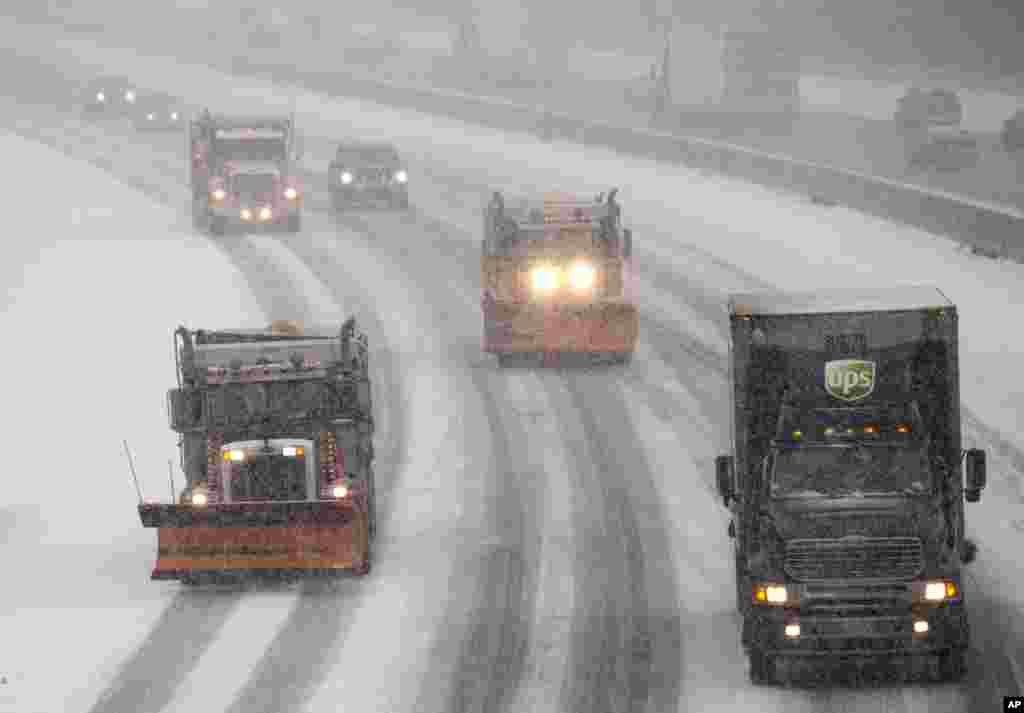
x=724, y=478
x=974, y=466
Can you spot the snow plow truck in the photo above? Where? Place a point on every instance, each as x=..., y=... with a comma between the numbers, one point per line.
x=275, y=437
x=244, y=172
x=847, y=483
x=556, y=280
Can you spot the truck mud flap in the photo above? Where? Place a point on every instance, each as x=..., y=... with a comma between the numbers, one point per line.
x=267, y=539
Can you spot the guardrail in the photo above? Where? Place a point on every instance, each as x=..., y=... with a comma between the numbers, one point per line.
x=991, y=229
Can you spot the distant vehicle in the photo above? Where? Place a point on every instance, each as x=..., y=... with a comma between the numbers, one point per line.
x=1012, y=135
x=364, y=172
x=847, y=482
x=276, y=439
x=944, y=148
x=253, y=194
x=929, y=107
x=556, y=281
x=244, y=171
x=159, y=112
x=109, y=96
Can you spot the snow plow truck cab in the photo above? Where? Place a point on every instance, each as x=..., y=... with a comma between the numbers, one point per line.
x=556, y=280
x=276, y=444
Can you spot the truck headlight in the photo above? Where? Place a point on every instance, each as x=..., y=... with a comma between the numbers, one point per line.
x=339, y=491
x=772, y=594
x=544, y=279
x=246, y=214
x=174, y=116
x=582, y=276
x=199, y=498
x=401, y=176
x=129, y=96
x=219, y=194
x=346, y=177
x=290, y=193
x=936, y=591
x=151, y=116
x=101, y=97
x=266, y=213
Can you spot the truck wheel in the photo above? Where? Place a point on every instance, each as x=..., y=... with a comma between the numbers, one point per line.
x=761, y=667
x=953, y=665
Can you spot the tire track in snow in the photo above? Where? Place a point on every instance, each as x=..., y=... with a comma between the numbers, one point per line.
x=654, y=640
x=299, y=659
x=486, y=629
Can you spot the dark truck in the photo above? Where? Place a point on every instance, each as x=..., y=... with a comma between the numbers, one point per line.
x=845, y=484
x=276, y=444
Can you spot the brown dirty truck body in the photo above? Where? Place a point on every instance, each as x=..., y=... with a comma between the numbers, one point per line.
x=556, y=279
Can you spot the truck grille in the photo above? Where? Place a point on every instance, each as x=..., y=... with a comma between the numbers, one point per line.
x=854, y=558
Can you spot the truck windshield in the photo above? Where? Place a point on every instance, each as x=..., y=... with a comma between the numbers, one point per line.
x=269, y=476
x=850, y=469
x=250, y=150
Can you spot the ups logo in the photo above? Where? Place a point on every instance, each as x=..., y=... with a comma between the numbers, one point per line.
x=850, y=379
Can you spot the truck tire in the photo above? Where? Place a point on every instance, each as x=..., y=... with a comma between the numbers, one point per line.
x=762, y=667
x=953, y=665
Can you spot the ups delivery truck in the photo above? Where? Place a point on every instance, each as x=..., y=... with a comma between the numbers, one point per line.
x=846, y=485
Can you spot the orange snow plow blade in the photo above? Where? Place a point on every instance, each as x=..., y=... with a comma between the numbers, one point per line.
x=302, y=538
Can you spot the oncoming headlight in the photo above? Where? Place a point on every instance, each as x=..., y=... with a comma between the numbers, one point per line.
x=772, y=594
x=100, y=97
x=346, y=177
x=199, y=498
x=129, y=96
x=219, y=194
x=582, y=276
x=937, y=591
x=340, y=491
x=401, y=176
x=545, y=278
x=290, y=193
x=235, y=455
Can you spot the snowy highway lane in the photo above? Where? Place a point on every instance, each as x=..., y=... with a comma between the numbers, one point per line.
x=590, y=573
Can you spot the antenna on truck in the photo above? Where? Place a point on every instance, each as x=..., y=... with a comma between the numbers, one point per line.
x=131, y=465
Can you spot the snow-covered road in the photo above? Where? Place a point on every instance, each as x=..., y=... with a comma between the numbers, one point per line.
x=550, y=540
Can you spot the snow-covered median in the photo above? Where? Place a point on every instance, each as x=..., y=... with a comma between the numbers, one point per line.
x=96, y=277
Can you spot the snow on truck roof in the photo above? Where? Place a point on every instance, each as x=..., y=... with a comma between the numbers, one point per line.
x=324, y=350
x=555, y=209
x=251, y=133
x=838, y=300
